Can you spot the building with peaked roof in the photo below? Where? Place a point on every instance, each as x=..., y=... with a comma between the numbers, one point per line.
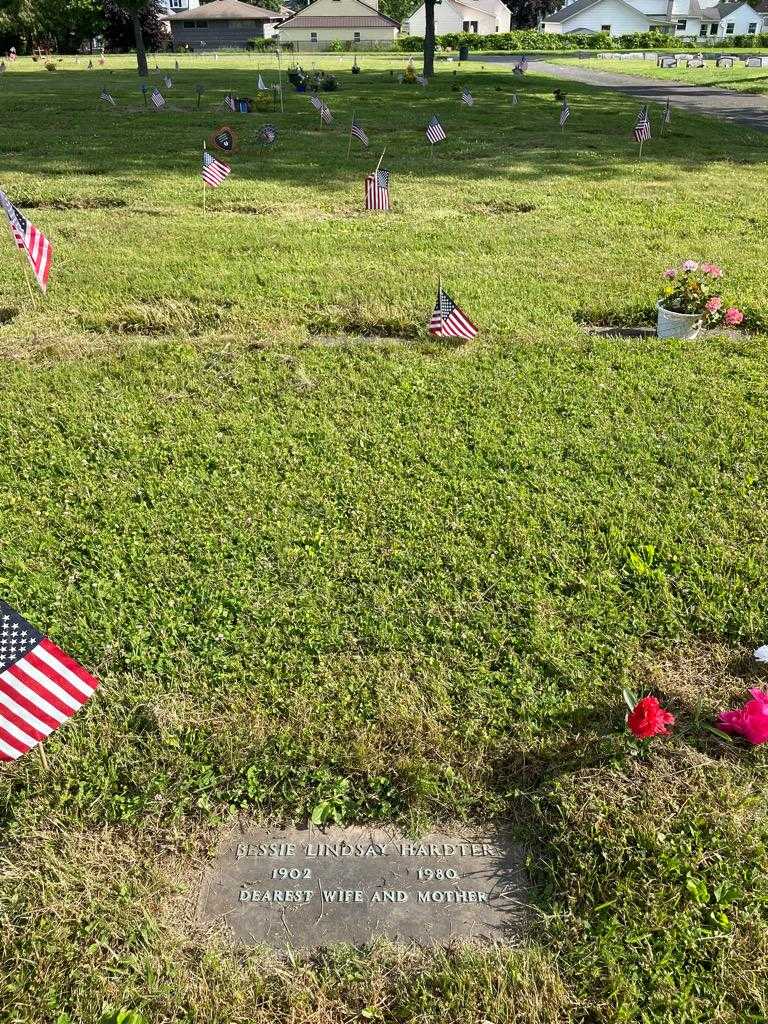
x=483, y=17
x=325, y=21
x=222, y=24
x=682, y=18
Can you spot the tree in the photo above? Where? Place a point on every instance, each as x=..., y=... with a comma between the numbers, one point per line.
x=135, y=22
x=429, y=38
x=397, y=10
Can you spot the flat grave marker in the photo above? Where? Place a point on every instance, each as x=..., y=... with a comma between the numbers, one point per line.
x=307, y=889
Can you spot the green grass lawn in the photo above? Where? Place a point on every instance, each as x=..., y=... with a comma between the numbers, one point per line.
x=738, y=78
x=314, y=554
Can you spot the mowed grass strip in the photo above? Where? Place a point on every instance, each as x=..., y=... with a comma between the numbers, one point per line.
x=529, y=226
x=313, y=555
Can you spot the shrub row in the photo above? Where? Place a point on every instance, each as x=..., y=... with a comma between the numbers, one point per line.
x=529, y=39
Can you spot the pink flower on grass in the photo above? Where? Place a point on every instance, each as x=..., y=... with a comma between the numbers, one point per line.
x=648, y=718
x=690, y=265
x=733, y=316
x=750, y=721
x=711, y=269
x=714, y=304
x=670, y=273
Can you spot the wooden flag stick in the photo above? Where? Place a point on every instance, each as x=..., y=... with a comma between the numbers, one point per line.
x=25, y=270
x=204, y=149
x=280, y=80
x=378, y=165
x=43, y=758
x=349, y=147
x=640, y=154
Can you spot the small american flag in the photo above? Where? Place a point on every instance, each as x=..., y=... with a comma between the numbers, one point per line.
x=214, y=171
x=521, y=67
x=514, y=98
x=642, y=129
x=435, y=131
x=229, y=102
x=261, y=86
x=40, y=686
x=107, y=97
x=168, y=82
x=268, y=135
x=667, y=113
x=325, y=113
x=377, y=191
x=422, y=80
x=29, y=240
x=467, y=97
x=358, y=133
x=565, y=113
x=448, y=321
x=158, y=100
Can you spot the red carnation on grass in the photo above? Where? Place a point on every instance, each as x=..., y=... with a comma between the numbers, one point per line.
x=648, y=718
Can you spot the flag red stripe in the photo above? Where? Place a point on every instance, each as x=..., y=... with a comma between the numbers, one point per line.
x=17, y=670
x=70, y=663
x=8, y=715
x=11, y=741
x=53, y=674
x=32, y=709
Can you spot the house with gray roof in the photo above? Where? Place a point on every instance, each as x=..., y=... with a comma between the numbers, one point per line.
x=682, y=18
x=222, y=24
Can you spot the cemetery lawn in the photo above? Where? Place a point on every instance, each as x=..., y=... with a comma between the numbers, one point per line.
x=317, y=558
x=737, y=78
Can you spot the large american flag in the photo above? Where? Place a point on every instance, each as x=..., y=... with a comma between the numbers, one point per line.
x=448, y=321
x=377, y=190
x=214, y=171
x=358, y=132
x=40, y=686
x=642, y=129
x=565, y=113
x=30, y=240
x=467, y=97
x=435, y=131
x=158, y=100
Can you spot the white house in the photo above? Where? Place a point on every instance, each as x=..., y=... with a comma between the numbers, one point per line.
x=176, y=6
x=673, y=17
x=324, y=21
x=484, y=17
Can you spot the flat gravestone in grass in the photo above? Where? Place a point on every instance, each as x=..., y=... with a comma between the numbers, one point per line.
x=301, y=889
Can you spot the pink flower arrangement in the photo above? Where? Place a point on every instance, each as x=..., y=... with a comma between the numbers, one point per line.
x=749, y=721
x=692, y=289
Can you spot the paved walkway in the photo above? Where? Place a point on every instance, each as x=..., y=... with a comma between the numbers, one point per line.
x=740, y=107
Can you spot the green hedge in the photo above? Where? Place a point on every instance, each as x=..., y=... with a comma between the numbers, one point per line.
x=530, y=39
